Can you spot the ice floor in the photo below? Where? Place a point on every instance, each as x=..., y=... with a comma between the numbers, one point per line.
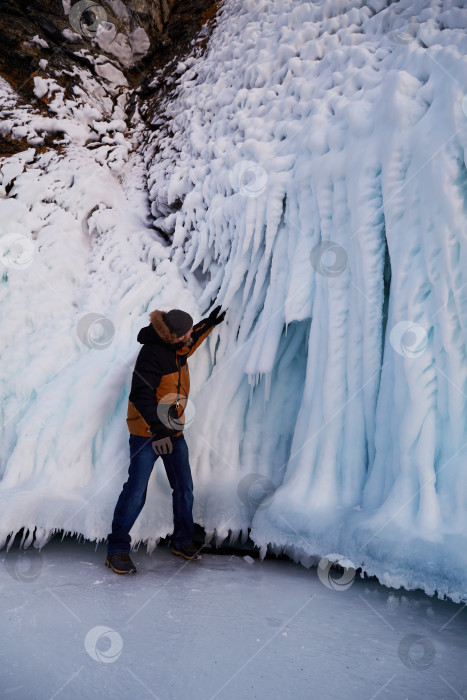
x=224, y=627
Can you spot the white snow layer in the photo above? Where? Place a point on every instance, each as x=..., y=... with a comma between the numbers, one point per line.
x=314, y=157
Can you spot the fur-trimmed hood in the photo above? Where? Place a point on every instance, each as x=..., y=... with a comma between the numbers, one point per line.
x=158, y=331
x=157, y=322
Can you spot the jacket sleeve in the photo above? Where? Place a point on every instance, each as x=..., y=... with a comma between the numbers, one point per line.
x=201, y=331
x=143, y=393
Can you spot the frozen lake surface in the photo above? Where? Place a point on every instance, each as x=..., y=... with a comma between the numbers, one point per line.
x=224, y=627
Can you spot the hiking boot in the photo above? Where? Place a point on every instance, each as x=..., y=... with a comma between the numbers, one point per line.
x=187, y=551
x=120, y=563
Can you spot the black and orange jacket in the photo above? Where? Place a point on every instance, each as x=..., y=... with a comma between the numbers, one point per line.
x=160, y=375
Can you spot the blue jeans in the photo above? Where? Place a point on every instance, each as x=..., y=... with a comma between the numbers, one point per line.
x=133, y=495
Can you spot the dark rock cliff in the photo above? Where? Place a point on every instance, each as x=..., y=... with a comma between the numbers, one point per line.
x=96, y=50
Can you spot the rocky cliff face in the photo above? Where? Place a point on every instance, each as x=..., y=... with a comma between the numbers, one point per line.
x=83, y=62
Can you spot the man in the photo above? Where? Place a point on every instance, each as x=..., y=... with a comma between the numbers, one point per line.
x=159, y=392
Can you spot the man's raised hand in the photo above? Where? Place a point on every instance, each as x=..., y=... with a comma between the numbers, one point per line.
x=216, y=318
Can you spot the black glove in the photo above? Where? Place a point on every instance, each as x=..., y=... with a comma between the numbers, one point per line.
x=163, y=446
x=214, y=316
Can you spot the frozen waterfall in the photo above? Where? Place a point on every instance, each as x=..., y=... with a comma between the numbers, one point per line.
x=309, y=175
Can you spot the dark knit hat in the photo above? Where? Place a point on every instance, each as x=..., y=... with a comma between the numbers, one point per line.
x=178, y=321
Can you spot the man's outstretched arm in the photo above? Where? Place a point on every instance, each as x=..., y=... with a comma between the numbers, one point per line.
x=202, y=329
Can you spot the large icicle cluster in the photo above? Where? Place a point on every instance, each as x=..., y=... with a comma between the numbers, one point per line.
x=309, y=175
x=319, y=150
